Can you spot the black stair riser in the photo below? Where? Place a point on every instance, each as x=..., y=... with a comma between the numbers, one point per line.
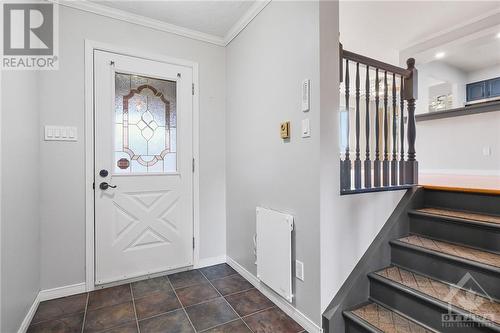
x=357, y=325
x=446, y=269
x=473, y=202
x=466, y=233
x=422, y=309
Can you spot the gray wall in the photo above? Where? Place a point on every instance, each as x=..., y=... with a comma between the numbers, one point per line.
x=266, y=64
x=62, y=164
x=20, y=170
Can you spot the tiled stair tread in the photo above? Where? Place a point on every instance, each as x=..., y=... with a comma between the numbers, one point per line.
x=462, y=215
x=460, y=298
x=386, y=320
x=483, y=257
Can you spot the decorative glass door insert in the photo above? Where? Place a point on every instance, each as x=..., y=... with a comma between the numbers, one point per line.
x=145, y=125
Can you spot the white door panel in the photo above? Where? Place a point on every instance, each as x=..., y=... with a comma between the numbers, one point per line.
x=143, y=138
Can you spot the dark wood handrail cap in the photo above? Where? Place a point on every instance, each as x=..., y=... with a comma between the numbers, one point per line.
x=410, y=63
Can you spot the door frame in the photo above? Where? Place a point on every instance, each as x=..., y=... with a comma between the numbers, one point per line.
x=90, y=47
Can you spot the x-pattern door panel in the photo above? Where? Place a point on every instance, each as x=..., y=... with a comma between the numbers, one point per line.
x=143, y=139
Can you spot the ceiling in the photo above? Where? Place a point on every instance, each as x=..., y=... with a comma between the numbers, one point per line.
x=472, y=59
x=380, y=29
x=209, y=17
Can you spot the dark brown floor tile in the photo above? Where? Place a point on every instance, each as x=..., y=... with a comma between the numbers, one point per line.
x=61, y=307
x=231, y=284
x=210, y=314
x=236, y=326
x=109, y=296
x=185, y=279
x=272, y=321
x=249, y=302
x=172, y=322
x=150, y=286
x=71, y=324
x=109, y=317
x=127, y=328
x=196, y=294
x=217, y=271
x=156, y=303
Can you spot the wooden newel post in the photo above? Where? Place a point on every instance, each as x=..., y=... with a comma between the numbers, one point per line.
x=410, y=95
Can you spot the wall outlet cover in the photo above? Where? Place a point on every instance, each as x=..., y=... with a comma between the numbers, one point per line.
x=299, y=270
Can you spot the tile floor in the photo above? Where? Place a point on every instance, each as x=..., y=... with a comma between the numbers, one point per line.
x=214, y=299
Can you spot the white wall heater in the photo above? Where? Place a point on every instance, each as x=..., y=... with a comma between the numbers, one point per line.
x=274, y=250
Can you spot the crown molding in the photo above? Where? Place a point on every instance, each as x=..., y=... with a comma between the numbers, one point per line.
x=144, y=21
x=250, y=14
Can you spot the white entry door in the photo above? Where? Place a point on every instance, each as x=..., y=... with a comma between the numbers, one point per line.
x=143, y=166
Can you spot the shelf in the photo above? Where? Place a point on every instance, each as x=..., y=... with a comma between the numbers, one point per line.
x=458, y=112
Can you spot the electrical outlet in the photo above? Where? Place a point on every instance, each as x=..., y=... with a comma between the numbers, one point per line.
x=299, y=270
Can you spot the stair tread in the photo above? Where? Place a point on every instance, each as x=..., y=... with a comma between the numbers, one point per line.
x=386, y=320
x=487, y=258
x=461, y=214
x=482, y=306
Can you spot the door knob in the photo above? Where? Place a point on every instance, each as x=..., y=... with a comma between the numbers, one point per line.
x=104, y=186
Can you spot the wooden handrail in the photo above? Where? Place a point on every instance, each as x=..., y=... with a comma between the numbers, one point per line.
x=358, y=58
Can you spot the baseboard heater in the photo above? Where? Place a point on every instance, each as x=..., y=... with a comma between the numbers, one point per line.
x=274, y=251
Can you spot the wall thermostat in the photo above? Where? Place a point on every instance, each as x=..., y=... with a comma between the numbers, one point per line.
x=306, y=88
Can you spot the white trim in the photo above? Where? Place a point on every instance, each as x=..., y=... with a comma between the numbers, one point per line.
x=48, y=294
x=29, y=316
x=460, y=172
x=244, y=20
x=294, y=313
x=90, y=46
x=205, y=262
x=63, y=291
x=148, y=22
x=122, y=15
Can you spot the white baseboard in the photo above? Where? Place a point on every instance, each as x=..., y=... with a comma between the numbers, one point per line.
x=64, y=291
x=289, y=309
x=29, y=316
x=205, y=262
x=48, y=294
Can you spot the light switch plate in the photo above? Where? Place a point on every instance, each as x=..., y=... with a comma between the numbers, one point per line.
x=306, y=128
x=299, y=270
x=60, y=133
x=306, y=90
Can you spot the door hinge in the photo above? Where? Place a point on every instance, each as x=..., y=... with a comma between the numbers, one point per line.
x=192, y=89
x=93, y=186
x=193, y=164
x=193, y=242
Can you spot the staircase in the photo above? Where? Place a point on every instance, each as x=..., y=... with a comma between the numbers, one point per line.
x=444, y=276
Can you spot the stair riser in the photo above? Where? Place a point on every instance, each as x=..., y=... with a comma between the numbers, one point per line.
x=422, y=310
x=473, y=202
x=445, y=269
x=456, y=232
x=352, y=326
